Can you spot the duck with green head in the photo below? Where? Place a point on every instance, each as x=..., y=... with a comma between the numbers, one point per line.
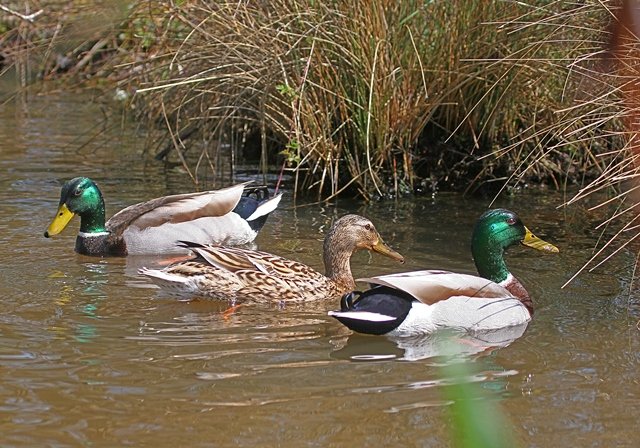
x=421, y=302
x=223, y=216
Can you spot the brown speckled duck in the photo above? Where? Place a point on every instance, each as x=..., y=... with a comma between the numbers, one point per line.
x=228, y=273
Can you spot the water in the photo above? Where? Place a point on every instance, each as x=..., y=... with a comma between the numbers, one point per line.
x=89, y=356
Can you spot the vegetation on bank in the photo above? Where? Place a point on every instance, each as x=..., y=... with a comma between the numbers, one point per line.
x=379, y=98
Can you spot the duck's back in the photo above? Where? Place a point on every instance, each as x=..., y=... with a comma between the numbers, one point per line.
x=431, y=286
x=266, y=276
x=230, y=230
x=157, y=225
x=235, y=273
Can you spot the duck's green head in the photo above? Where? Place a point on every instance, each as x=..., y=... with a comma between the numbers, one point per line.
x=494, y=232
x=79, y=196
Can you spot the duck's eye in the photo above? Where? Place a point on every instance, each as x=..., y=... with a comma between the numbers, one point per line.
x=369, y=227
x=77, y=192
x=511, y=221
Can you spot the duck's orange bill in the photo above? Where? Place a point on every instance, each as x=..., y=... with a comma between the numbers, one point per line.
x=533, y=241
x=62, y=218
x=385, y=250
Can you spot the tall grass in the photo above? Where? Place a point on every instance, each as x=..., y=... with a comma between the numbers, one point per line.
x=386, y=98
x=380, y=97
x=377, y=98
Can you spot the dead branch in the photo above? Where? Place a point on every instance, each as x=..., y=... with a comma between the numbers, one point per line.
x=28, y=18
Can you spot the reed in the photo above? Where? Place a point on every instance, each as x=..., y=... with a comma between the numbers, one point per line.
x=374, y=98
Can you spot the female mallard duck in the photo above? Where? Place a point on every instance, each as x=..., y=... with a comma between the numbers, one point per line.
x=152, y=227
x=420, y=302
x=233, y=273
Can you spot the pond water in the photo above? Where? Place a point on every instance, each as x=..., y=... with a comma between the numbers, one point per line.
x=89, y=356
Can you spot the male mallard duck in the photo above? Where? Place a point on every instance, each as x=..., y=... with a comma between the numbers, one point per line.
x=230, y=273
x=420, y=302
x=152, y=227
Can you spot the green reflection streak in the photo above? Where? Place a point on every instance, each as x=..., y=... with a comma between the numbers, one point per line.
x=477, y=420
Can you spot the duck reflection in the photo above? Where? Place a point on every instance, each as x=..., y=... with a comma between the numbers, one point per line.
x=449, y=343
x=78, y=302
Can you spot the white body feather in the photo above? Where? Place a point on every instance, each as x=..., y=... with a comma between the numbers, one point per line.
x=470, y=314
x=228, y=230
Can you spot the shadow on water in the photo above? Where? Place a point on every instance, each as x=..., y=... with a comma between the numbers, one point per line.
x=90, y=355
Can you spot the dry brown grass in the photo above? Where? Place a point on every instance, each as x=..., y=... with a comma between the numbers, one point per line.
x=378, y=98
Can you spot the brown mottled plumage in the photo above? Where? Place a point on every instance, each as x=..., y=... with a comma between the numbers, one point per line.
x=229, y=273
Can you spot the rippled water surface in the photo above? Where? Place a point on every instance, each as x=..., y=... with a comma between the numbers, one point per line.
x=89, y=356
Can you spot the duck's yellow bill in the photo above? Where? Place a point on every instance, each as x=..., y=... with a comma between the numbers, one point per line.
x=63, y=216
x=533, y=241
x=385, y=250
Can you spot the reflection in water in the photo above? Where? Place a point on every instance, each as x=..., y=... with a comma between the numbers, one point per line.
x=93, y=287
x=450, y=343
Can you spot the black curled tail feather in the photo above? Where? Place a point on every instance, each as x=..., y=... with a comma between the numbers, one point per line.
x=347, y=300
x=249, y=203
x=260, y=192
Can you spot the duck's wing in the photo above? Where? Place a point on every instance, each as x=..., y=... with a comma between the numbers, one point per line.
x=243, y=261
x=261, y=274
x=281, y=288
x=176, y=209
x=431, y=286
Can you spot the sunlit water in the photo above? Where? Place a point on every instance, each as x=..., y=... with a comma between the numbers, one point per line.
x=90, y=357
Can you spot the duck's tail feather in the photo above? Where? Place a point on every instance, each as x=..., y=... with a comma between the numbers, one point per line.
x=366, y=322
x=188, y=244
x=376, y=311
x=361, y=316
x=171, y=285
x=162, y=278
x=266, y=207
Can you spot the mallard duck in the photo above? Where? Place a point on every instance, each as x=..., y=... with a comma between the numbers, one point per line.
x=420, y=302
x=233, y=273
x=152, y=227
